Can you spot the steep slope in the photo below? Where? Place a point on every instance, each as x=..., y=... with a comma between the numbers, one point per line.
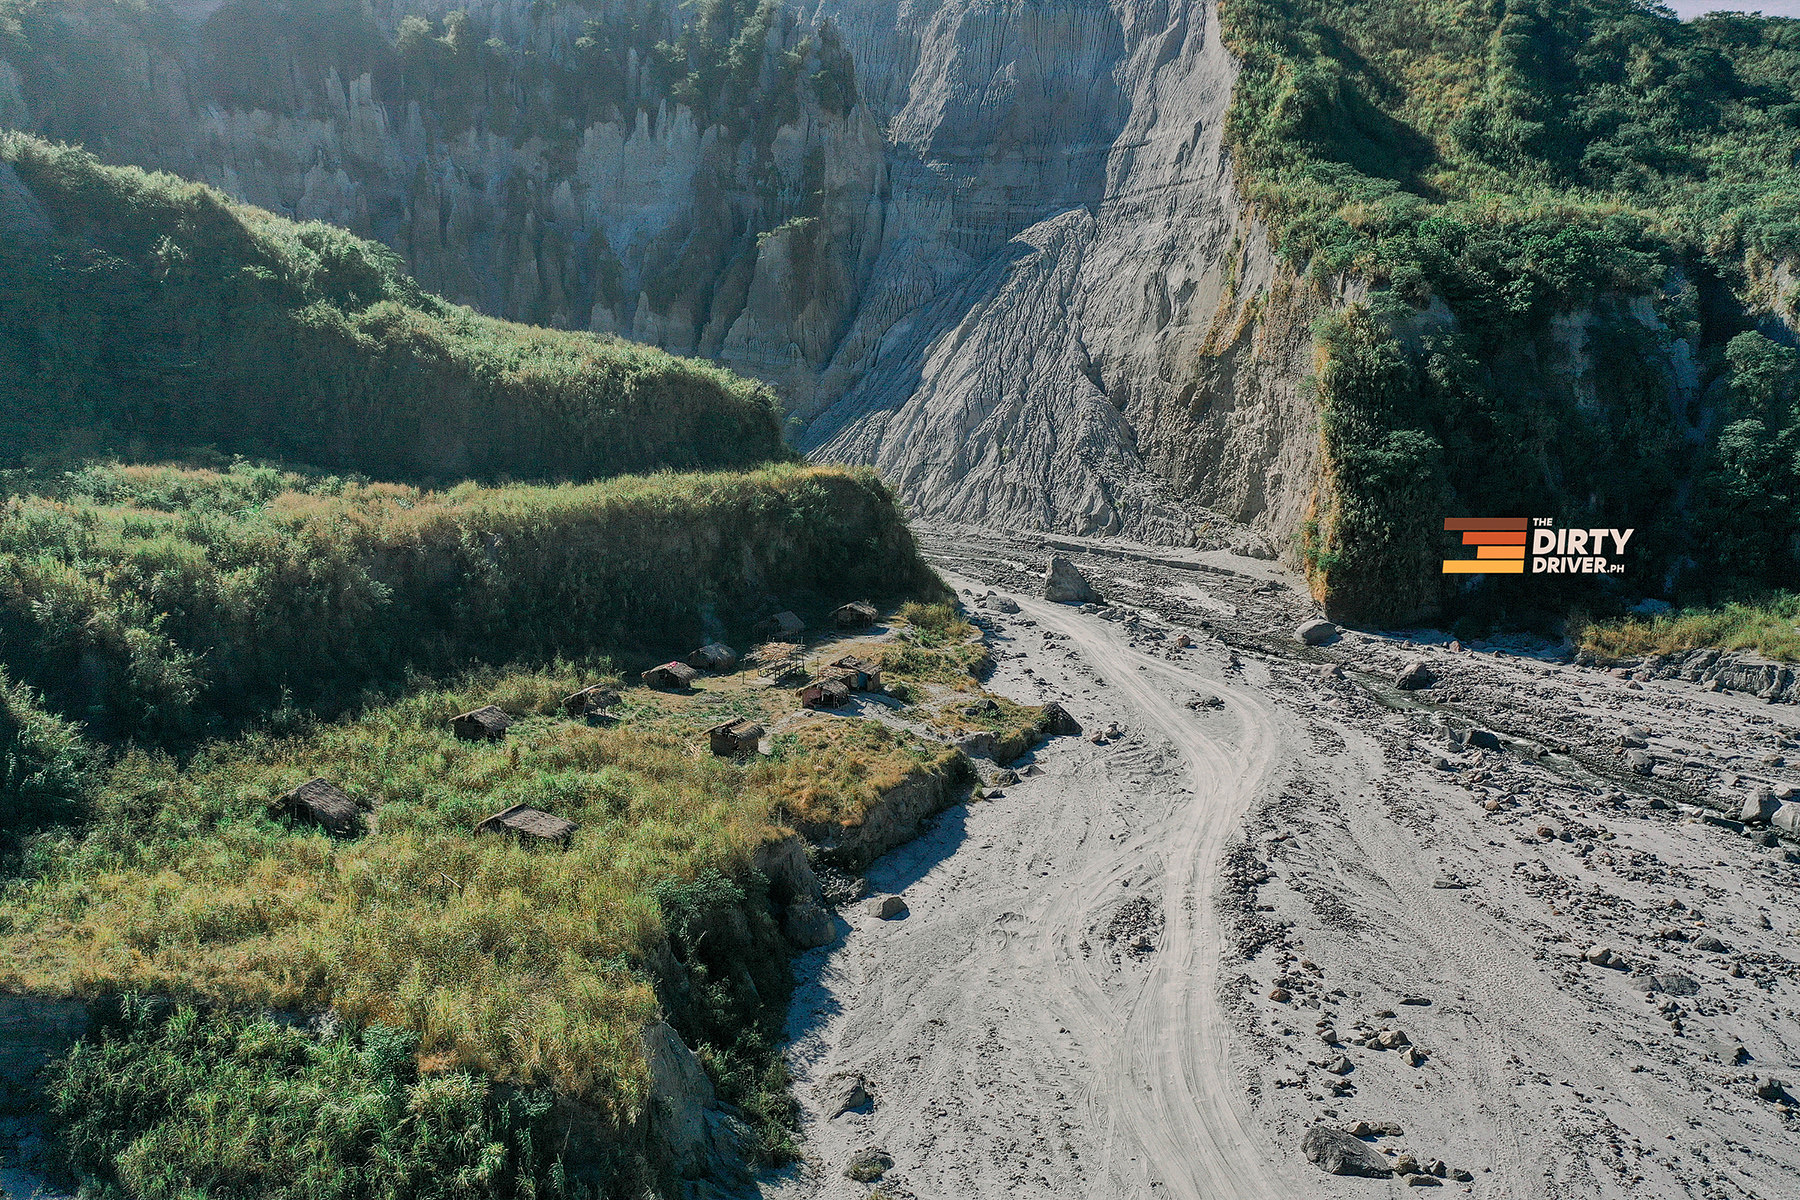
x=1059, y=265
x=142, y=311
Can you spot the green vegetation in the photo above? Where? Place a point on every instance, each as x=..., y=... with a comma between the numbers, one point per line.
x=158, y=316
x=165, y=603
x=1770, y=628
x=1520, y=160
x=507, y=966
x=176, y=1104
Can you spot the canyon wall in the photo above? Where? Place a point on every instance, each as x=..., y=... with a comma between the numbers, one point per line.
x=994, y=249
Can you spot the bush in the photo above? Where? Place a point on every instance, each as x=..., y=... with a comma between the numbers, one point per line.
x=164, y=603
x=46, y=768
x=169, y=1105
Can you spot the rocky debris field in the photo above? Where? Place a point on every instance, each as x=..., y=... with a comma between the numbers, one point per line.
x=1315, y=912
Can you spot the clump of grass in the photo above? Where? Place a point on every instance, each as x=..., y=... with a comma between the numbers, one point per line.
x=934, y=646
x=180, y=1103
x=830, y=771
x=1770, y=628
x=168, y=604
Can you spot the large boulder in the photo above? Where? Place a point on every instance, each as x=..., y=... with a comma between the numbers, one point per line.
x=1760, y=808
x=1334, y=1150
x=1786, y=818
x=1058, y=722
x=1316, y=632
x=1414, y=676
x=1065, y=584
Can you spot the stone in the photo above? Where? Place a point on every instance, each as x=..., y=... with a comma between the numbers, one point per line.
x=1786, y=818
x=1417, y=1001
x=1331, y=671
x=1600, y=956
x=1423, y=1181
x=808, y=926
x=1406, y=1164
x=1328, y=1035
x=1280, y=995
x=1058, y=723
x=1709, y=944
x=1771, y=1089
x=1341, y=1065
x=1003, y=604
x=845, y=1093
x=1759, y=808
x=885, y=907
x=1639, y=762
x=1484, y=739
x=1391, y=1039
x=1676, y=985
x=1316, y=632
x=868, y=1165
x=1412, y=1056
x=1414, y=676
x=1065, y=584
x=1336, y=1152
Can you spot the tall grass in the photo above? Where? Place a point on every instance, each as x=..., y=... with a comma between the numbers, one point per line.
x=164, y=603
x=1770, y=628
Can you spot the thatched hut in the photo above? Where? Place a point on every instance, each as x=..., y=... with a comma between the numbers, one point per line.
x=485, y=724
x=670, y=677
x=735, y=737
x=529, y=825
x=317, y=802
x=861, y=674
x=714, y=656
x=597, y=698
x=827, y=691
x=783, y=625
x=858, y=614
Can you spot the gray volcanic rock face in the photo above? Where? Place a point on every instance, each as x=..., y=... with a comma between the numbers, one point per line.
x=1110, y=345
x=1013, y=274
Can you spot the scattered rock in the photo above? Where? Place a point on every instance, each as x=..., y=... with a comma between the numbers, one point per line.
x=1771, y=1089
x=1759, y=808
x=1331, y=671
x=1338, y=1153
x=1449, y=884
x=1484, y=739
x=1423, y=1181
x=1786, y=818
x=1280, y=995
x=1709, y=944
x=1369, y=1129
x=1414, y=676
x=1676, y=985
x=1065, y=584
x=1316, y=632
x=868, y=1165
x=1058, y=722
x=1412, y=1056
x=1419, y=1001
x=886, y=907
x=845, y=1093
x=1639, y=762
x=1341, y=1065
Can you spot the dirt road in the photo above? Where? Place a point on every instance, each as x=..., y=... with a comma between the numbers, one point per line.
x=1080, y=1000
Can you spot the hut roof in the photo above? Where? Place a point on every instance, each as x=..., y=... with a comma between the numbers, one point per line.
x=322, y=803
x=854, y=615
x=678, y=673
x=527, y=822
x=714, y=656
x=488, y=720
x=862, y=665
x=598, y=696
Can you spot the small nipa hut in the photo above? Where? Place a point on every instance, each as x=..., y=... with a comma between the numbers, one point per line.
x=827, y=691
x=735, y=737
x=861, y=674
x=485, y=724
x=670, y=677
x=714, y=656
x=858, y=614
x=529, y=824
x=590, y=700
x=320, y=803
x=783, y=625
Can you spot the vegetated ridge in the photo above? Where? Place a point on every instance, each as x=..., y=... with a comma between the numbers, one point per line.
x=150, y=314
